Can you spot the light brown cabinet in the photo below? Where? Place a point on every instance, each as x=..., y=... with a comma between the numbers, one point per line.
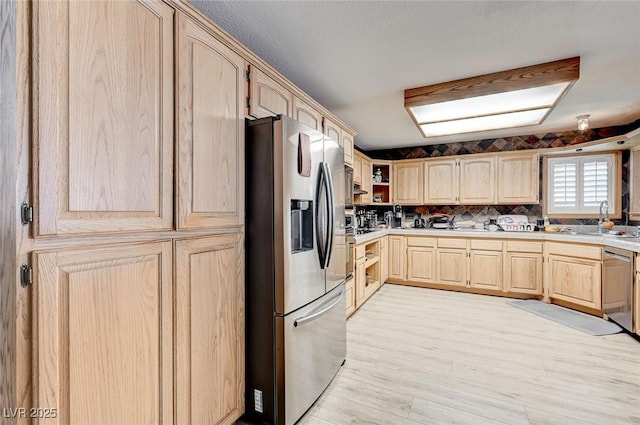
x=367, y=182
x=523, y=267
x=104, y=342
x=636, y=302
x=306, y=114
x=104, y=116
x=350, y=296
x=360, y=283
x=441, y=182
x=384, y=260
x=421, y=264
x=267, y=97
x=347, y=144
x=574, y=274
x=451, y=261
x=486, y=264
x=332, y=130
x=210, y=124
x=634, y=189
x=408, y=182
x=518, y=178
x=397, y=257
x=209, y=325
x=477, y=181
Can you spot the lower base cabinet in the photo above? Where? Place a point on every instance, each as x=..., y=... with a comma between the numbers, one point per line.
x=576, y=280
x=485, y=270
x=209, y=325
x=524, y=273
x=104, y=342
x=451, y=266
x=117, y=325
x=350, y=296
x=396, y=257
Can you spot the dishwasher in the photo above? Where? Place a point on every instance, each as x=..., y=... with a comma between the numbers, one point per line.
x=617, y=286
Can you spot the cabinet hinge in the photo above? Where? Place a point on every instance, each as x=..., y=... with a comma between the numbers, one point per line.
x=247, y=74
x=26, y=213
x=26, y=275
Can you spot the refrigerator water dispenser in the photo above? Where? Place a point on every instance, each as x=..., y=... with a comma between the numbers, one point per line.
x=301, y=225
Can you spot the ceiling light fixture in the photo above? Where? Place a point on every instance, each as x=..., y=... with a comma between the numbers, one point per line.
x=583, y=122
x=515, y=98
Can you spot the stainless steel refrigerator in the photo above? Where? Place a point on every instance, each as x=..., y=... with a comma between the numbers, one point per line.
x=295, y=267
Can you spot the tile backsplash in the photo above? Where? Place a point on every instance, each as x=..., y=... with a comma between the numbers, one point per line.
x=550, y=140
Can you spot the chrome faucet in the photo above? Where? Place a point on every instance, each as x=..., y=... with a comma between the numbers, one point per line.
x=603, y=205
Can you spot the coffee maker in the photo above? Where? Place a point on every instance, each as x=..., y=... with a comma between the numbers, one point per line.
x=397, y=216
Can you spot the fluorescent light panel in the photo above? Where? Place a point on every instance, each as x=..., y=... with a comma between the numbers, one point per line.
x=489, y=122
x=514, y=98
x=499, y=103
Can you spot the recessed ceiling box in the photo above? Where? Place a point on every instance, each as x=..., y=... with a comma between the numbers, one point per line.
x=515, y=98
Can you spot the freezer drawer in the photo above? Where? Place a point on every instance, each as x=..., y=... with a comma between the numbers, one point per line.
x=315, y=346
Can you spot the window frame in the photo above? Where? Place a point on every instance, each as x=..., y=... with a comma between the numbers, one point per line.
x=616, y=174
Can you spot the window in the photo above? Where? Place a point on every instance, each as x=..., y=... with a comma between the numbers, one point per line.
x=576, y=185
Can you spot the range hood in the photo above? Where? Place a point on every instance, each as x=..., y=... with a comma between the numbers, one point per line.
x=358, y=191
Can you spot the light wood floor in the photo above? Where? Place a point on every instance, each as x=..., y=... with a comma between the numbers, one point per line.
x=422, y=356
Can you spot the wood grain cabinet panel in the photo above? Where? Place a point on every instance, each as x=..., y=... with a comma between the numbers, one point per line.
x=384, y=260
x=210, y=119
x=407, y=182
x=518, y=179
x=267, y=97
x=209, y=327
x=576, y=280
x=357, y=169
x=451, y=266
x=350, y=297
x=103, y=340
x=441, y=182
x=103, y=116
x=347, y=144
x=367, y=181
x=306, y=114
x=332, y=130
x=477, y=181
x=397, y=257
x=485, y=269
x=421, y=264
x=524, y=273
x=360, y=283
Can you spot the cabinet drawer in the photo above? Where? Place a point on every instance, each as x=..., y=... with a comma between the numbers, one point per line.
x=428, y=242
x=486, y=244
x=360, y=249
x=524, y=246
x=575, y=250
x=452, y=243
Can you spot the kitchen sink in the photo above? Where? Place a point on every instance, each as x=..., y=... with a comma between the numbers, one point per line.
x=606, y=235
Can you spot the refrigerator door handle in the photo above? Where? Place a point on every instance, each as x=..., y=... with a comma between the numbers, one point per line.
x=320, y=213
x=330, y=214
x=306, y=319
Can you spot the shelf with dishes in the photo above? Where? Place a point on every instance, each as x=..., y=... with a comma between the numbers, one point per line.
x=381, y=183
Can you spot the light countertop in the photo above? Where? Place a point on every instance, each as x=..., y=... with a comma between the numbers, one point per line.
x=629, y=243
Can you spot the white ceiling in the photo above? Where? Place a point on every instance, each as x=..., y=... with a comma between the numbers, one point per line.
x=357, y=57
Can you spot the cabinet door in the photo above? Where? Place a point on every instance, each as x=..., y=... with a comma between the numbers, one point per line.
x=211, y=91
x=367, y=182
x=485, y=269
x=451, y=267
x=407, y=183
x=440, y=182
x=637, y=303
x=524, y=273
x=421, y=264
x=634, y=189
x=350, y=297
x=576, y=280
x=331, y=130
x=347, y=144
x=361, y=280
x=477, y=181
x=103, y=334
x=396, y=257
x=267, y=97
x=209, y=326
x=104, y=116
x=384, y=260
x=304, y=113
x=518, y=179
x=357, y=168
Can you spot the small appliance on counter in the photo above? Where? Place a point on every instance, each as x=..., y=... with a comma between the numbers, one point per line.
x=397, y=219
x=439, y=221
x=419, y=223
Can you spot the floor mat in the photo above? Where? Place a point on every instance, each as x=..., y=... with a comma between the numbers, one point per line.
x=573, y=319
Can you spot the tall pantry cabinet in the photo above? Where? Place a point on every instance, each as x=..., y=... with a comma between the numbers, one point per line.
x=133, y=309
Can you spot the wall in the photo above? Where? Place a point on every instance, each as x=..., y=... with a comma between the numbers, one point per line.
x=549, y=140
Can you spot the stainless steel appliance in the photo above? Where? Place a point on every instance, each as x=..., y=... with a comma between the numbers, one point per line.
x=295, y=268
x=617, y=286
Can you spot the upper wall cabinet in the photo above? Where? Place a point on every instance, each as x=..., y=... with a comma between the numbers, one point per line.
x=331, y=130
x=103, y=73
x=407, y=182
x=266, y=96
x=210, y=120
x=304, y=113
x=477, y=181
x=634, y=190
x=441, y=182
x=347, y=144
x=518, y=179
